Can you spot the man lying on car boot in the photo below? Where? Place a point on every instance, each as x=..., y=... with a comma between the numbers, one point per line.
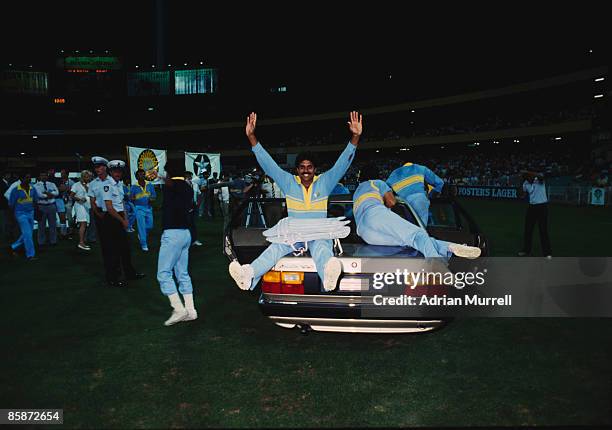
x=306, y=197
x=378, y=225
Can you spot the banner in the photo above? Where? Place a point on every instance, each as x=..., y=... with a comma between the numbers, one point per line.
x=503, y=193
x=597, y=196
x=198, y=162
x=152, y=161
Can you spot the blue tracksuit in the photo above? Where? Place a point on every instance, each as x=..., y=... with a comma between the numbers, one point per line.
x=379, y=225
x=301, y=203
x=21, y=201
x=129, y=207
x=142, y=208
x=409, y=183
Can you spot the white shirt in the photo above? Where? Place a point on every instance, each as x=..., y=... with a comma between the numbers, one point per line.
x=97, y=188
x=224, y=195
x=536, y=191
x=80, y=193
x=46, y=186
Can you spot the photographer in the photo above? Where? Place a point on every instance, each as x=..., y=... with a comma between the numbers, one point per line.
x=537, y=212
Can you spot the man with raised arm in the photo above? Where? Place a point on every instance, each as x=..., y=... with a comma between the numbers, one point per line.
x=306, y=196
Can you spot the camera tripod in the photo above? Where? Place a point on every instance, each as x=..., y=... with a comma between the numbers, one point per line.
x=255, y=207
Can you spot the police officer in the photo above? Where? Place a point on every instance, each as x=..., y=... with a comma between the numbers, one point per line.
x=106, y=194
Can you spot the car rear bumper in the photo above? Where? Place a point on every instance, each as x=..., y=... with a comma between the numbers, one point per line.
x=336, y=314
x=351, y=325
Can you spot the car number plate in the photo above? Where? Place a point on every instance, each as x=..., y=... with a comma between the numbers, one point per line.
x=354, y=284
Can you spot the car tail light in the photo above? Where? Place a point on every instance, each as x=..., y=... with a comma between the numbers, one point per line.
x=271, y=282
x=283, y=282
x=292, y=283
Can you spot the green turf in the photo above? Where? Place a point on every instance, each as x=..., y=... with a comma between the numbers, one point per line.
x=104, y=356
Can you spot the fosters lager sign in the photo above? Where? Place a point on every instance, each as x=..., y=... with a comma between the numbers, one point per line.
x=506, y=193
x=152, y=161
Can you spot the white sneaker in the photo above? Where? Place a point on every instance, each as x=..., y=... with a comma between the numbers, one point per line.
x=464, y=250
x=145, y=249
x=192, y=314
x=84, y=247
x=177, y=316
x=197, y=243
x=333, y=270
x=242, y=275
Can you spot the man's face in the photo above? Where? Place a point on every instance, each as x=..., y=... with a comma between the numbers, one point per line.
x=43, y=176
x=64, y=175
x=140, y=175
x=116, y=174
x=100, y=169
x=306, y=171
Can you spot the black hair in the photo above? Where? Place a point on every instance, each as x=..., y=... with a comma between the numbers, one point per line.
x=307, y=155
x=368, y=172
x=174, y=168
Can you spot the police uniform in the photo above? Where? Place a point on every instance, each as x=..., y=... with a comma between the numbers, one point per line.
x=379, y=225
x=409, y=182
x=113, y=237
x=141, y=198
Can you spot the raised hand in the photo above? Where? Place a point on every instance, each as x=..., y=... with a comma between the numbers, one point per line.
x=250, y=124
x=355, y=124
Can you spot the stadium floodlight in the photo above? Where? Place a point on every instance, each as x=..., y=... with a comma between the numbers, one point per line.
x=106, y=51
x=61, y=51
x=150, y=108
x=34, y=137
x=558, y=138
x=412, y=111
x=98, y=110
x=137, y=66
x=378, y=150
x=10, y=64
x=169, y=65
x=77, y=51
x=599, y=79
x=201, y=62
x=22, y=153
x=184, y=64
x=91, y=51
x=598, y=96
x=153, y=66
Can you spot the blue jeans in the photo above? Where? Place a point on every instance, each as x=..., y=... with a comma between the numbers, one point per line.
x=320, y=250
x=144, y=223
x=382, y=226
x=26, y=226
x=174, y=258
x=130, y=213
x=420, y=204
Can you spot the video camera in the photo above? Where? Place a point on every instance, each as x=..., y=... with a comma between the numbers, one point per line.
x=254, y=177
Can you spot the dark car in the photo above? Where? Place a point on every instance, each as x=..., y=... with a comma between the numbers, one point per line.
x=292, y=293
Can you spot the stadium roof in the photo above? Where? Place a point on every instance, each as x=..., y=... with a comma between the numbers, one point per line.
x=308, y=46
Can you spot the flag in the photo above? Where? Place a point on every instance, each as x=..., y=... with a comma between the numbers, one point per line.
x=198, y=162
x=152, y=161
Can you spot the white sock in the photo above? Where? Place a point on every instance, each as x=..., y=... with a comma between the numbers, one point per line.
x=188, y=302
x=175, y=302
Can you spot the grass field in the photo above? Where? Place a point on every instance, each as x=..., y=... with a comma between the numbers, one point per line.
x=104, y=356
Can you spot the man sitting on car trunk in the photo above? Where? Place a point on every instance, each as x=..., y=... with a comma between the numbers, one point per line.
x=378, y=225
x=306, y=197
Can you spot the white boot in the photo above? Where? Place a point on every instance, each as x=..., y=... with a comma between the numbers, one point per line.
x=179, y=313
x=192, y=314
x=332, y=271
x=464, y=250
x=242, y=275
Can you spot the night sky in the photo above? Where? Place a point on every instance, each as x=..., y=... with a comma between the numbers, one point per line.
x=298, y=44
